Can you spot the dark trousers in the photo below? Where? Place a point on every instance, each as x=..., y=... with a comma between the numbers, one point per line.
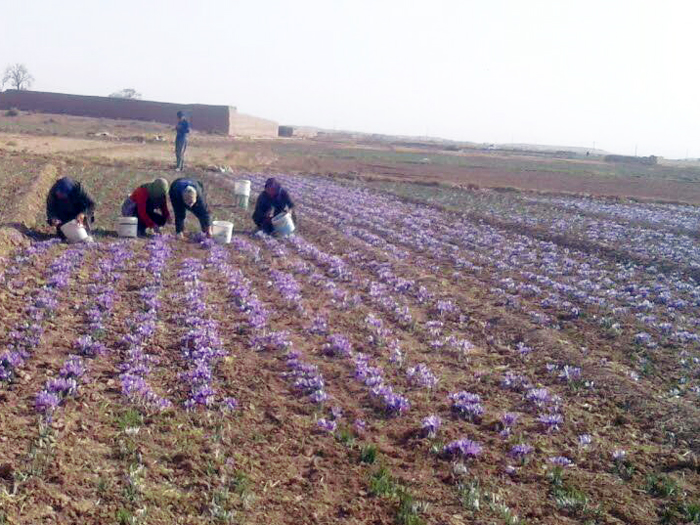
x=265, y=224
x=180, y=147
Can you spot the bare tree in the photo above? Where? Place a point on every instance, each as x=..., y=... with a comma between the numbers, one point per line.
x=17, y=76
x=126, y=93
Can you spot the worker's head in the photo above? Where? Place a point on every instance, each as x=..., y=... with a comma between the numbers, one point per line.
x=189, y=196
x=158, y=188
x=180, y=115
x=272, y=187
x=63, y=188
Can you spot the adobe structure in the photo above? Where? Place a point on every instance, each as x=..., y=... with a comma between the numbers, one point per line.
x=213, y=119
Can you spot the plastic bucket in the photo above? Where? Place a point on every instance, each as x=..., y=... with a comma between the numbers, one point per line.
x=222, y=231
x=242, y=201
x=283, y=224
x=74, y=232
x=128, y=227
x=242, y=187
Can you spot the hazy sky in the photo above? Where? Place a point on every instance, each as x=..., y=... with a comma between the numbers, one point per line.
x=617, y=73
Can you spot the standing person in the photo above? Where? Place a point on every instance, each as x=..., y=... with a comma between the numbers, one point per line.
x=182, y=129
x=272, y=201
x=66, y=201
x=149, y=204
x=188, y=194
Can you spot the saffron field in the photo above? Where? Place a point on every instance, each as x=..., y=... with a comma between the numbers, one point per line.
x=410, y=356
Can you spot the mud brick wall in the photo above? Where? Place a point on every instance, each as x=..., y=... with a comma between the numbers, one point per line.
x=212, y=119
x=249, y=126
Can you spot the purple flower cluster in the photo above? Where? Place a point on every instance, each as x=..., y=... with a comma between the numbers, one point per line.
x=520, y=451
x=421, y=375
x=288, y=288
x=508, y=419
x=327, y=426
x=378, y=332
x=319, y=326
x=200, y=345
x=515, y=382
x=271, y=342
x=334, y=265
x=307, y=378
x=462, y=448
x=560, y=461
x=430, y=425
x=26, y=336
x=137, y=365
x=337, y=345
x=88, y=347
x=467, y=405
x=57, y=389
x=383, y=394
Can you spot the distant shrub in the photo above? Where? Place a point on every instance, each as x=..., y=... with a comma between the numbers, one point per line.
x=651, y=160
x=12, y=112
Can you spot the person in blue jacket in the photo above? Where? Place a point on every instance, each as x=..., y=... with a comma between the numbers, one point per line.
x=182, y=129
x=188, y=194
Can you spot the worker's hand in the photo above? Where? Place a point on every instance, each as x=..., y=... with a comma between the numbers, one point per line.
x=80, y=218
x=209, y=232
x=181, y=235
x=156, y=229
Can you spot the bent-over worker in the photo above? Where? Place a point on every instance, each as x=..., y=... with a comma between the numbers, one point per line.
x=271, y=202
x=66, y=201
x=188, y=194
x=149, y=204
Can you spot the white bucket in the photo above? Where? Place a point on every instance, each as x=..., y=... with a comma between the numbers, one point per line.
x=74, y=232
x=242, y=201
x=128, y=227
x=241, y=187
x=283, y=223
x=222, y=231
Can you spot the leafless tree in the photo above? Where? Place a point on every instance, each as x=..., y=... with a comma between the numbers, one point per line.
x=126, y=93
x=17, y=76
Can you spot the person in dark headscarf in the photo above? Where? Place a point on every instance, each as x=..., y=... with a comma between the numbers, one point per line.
x=272, y=201
x=67, y=201
x=149, y=204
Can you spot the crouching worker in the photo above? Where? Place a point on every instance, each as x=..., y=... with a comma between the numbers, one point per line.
x=149, y=204
x=188, y=194
x=272, y=201
x=67, y=200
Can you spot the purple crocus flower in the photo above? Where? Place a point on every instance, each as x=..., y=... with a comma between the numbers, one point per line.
x=560, y=461
x=326, y=425
x=46, y=402
x=431, y=425
x=551, y=422
x=584, y=440
x=520, y=451
x=464, y=447
x=229, y=404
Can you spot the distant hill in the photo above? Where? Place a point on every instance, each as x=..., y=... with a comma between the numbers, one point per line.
x=435, y=142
